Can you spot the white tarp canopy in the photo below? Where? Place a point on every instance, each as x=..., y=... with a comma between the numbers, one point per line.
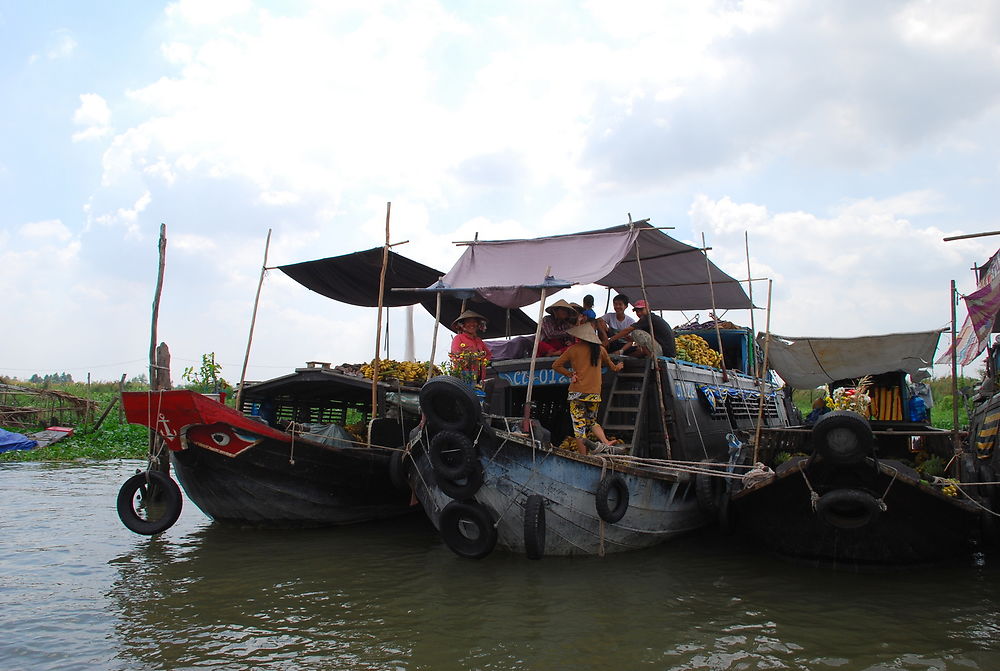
x=806, y=363
x=510, y=273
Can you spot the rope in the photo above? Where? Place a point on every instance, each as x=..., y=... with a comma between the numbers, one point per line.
x=974, y=501
x=881, y=499
x=813, y=496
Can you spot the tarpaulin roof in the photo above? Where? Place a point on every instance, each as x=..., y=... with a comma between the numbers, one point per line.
x=676, y=275
x=805, y=363
x=354, y=279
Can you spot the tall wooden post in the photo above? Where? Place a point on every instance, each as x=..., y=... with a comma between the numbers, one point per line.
x=156, y=371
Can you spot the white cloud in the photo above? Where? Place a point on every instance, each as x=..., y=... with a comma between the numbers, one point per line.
x=207, y=13
x=94, y=115
x=51, y=229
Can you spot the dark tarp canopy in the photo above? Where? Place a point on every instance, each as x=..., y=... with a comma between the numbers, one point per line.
x=676, y=275
x=354, y=279
x=806, y=363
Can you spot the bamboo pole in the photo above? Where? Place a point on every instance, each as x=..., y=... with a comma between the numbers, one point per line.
x=763, y=371
x=253, y=321
x=715, y=317
x=526, y=422
x=753, y=327
x=434, y=338
x=378, y=328
x=956, y=441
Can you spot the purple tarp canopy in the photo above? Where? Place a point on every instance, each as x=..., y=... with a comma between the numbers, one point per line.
x=509, y=272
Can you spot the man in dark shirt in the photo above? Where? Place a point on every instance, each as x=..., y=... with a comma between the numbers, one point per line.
x=660, y=331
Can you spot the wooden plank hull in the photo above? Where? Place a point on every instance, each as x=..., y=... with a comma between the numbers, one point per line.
x=658, y=509
x=238, y=470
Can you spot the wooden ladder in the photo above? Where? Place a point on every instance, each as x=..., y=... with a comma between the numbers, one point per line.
x=625, y=408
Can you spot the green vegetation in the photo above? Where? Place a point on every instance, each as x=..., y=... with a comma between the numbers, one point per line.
x=111, y=441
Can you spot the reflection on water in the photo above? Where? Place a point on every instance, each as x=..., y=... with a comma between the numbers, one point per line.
x=79, y=591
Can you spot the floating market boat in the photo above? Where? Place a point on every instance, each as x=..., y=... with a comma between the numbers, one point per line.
x=488, y=470
x=243, y=469
x=870, y=483
x=285, y=458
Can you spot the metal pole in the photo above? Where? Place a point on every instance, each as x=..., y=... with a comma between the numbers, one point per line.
x=253, y=322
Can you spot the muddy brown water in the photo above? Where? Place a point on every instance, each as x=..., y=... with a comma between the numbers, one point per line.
x=79, y=591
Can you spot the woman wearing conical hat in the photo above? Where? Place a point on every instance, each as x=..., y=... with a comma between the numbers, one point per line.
x=553, y=339
x=468, y=351
x=581, y=363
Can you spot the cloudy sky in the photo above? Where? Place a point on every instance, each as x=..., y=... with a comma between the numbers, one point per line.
x=844, y=139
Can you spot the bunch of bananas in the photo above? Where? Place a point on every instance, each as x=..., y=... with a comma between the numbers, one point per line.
x=694, y=348
x=358, y=431
x=404, y=371
x=950, y=489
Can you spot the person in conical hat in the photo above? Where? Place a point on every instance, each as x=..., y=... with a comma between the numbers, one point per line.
x=481, y=321
x=469, y=354
x=581, y=363
x=562, y=317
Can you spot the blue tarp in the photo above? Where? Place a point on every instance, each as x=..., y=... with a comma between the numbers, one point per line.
x=15, y=441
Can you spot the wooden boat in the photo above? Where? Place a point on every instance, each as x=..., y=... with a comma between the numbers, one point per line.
x=283, y=459
x=846, y=491
x=241, y=469
x=487, y=477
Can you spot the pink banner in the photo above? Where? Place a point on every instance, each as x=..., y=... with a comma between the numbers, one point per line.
x=969, y=346
x=983, y=306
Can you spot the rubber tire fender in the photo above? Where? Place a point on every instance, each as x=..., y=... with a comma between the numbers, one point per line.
x=709, y=490
x=162, y=485
x=449, y=404
x=462, y=488
x=848, y=509
x=602, y=496
x=534, y=526
x=843, y=437
x=452, y=455
x=459, y=515
x=397, y=470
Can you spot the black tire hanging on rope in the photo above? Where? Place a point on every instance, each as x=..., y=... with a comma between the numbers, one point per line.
x=843, y=437
x=397, y=470
x=467, y=529
x=161, y=498
x=611, y=487
x=452, y=455
x=534, y=527
x=709, y=489
x=461, y=488
x=450, y=405
x=848, y=509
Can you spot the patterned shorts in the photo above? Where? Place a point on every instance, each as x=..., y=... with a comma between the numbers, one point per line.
x=583, y=411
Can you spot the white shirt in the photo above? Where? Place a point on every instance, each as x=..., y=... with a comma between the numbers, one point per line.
x=612, y=321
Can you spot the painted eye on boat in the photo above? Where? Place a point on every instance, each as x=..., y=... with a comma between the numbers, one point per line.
x=221, y=439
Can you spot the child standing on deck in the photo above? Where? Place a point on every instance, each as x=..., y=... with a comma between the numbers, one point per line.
x=585, y=358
